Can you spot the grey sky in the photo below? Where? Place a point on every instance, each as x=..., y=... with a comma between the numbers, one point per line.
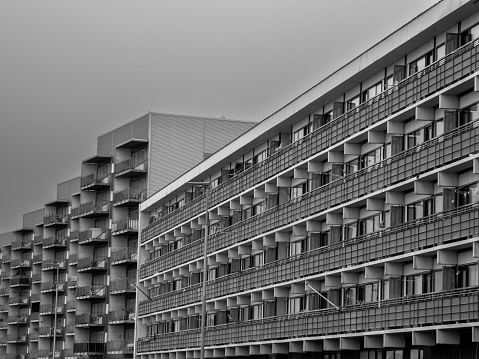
x=73, y=70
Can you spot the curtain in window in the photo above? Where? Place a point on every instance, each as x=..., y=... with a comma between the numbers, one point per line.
x=317, y=121
x=395, y=287
x=452, y=42
x=334, y=296
x=397, y=144
x=396, y=215
x=338, y=109
x=448, y=277
x=448, y=197
x=336, y=232
x=450, y=121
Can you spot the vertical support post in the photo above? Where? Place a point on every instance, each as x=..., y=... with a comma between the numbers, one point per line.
x=205, y=274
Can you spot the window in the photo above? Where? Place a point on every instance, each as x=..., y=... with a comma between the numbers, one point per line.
x=421, y=63
x=298, y=191
x=352, y=103
x=371, y=92
x=295, y=305
x=419, y=136
x=469, y=34
x=372, y=157
x=260, y=157
x=440, y=51
x=297, y=135
x=371, y=224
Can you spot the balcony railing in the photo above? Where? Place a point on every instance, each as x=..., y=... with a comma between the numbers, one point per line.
x=90, y=320
x=37, y=277
x=122, y=286
x=49, y=332
x=6, y=258
x=438, y=75
x=51, y=264
x=70, y=329
x=87, y=291
x=387, y=243
x=121, y=316
x=19, y=356
x=21, y=244
x=132, y=167
x=19, y=300
x=35, y=316
x=37, y=258
x=72, y=281
x=92, y=264
x=36, y=297
x=20, y=282
x=52, y=286
x=120, y=347
x=54, y=219
x=37, y=239
x=450, y=147
x=17, y=338
x=5, y=274
x=129, y=196
x=18, y=319
x=94, y=236
x=71, y=306
x=46, y=309
x=47, y=354
x=92, y=181
x=73, y=236
x=4, y=292
x=20, y=263
x=52, y=242
x=124, y=255
x=443, y=308
x=125, y=225
x=89, y=348
x=92, y=209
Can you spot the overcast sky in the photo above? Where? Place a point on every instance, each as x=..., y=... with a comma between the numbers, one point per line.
x=73, y=70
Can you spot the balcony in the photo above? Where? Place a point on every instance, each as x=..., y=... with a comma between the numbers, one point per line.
x=432, y=309
x=120, y=347
x=20, y=282
x=36, y=278
x=18, y=319
x=38, y=239
x=91, y=292
x=92, y=265
x=47, y=287
x=55, y=220
x=129, y=197
x=53, y=264
x=88, y=348
x=36, y=297
x=49, y=309
x=33, y=337
x=5, y=274
x=6, y=258
x=4, y=292
x=72, y=282
x=47, y=332
x=124, y=316
x=92, y=210
x=94, y=236
x=3, y=324
x=87, y=320
x=20, y=263
x=122, y=286
x=21, y=244
x=70, y=329
x=125, y=227
x=73, y=236
x=93, y=182
x=47, y=354
x=132, y=167
x=34, y=317
x=3, y=342
x=21, y=300
x=37, y=258
x=20, y=356
x=53, y=242
x=71, y=306
x=422, y=233
x=73, y=259
x=124, y=256
x=17, y=338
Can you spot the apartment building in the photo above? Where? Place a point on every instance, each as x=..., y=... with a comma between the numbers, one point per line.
x=345, y=225
x=68, y=274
